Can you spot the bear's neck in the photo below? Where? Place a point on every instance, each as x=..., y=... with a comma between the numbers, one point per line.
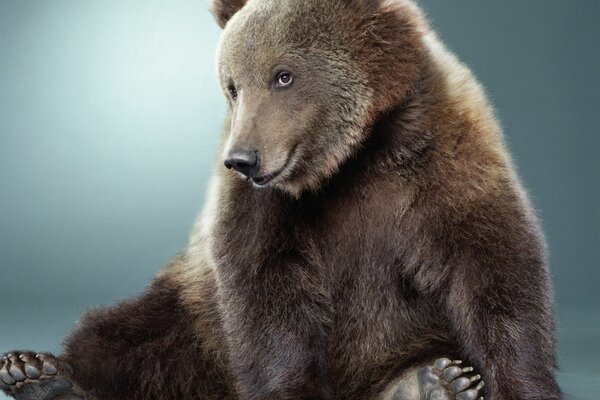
x=402, y=140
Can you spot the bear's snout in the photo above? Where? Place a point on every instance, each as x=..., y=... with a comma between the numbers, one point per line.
x=246, y=162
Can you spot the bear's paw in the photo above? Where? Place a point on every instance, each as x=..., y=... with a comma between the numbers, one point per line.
x=448, y=380
x=31, y=376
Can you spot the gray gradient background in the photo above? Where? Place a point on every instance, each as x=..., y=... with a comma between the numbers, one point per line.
x=109, y=118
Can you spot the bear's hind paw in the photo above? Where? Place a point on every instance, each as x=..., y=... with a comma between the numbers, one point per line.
x=30, y=376
x=447, y=377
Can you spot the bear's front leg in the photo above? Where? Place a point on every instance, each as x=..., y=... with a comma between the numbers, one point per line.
x=31, y=376
x=495, y=291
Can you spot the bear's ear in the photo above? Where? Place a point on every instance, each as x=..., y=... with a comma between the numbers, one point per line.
x=223, y=10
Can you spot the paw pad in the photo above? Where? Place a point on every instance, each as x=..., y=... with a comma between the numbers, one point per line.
x=449, y=380
x=460, y=380
x=30, y=376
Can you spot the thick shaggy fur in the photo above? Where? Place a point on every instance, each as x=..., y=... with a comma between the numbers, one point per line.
x=398, y=234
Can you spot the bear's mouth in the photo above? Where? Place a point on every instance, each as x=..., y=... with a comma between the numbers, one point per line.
x=263, y=180
x=266, y=179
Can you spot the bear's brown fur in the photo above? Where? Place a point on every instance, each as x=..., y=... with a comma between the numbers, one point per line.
x=395, y=232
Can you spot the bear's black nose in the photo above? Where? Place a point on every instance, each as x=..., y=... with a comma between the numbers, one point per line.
x=246, y=162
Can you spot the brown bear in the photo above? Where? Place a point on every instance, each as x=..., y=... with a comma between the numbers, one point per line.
x=368, y=233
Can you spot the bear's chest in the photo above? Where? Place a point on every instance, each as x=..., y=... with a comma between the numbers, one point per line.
x=312, y=283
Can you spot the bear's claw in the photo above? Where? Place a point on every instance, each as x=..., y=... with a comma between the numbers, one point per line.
x=30, y=376
x=447, y=376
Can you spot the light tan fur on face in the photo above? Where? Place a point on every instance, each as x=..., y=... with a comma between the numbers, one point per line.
x=315, y=125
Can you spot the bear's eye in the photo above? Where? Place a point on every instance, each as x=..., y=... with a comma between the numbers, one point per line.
x=284, y=79
x=232, y=92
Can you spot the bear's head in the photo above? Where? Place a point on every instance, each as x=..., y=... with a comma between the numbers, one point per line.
x=307, y=79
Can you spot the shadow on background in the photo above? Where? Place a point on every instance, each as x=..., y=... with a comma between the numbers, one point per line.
x=110, y=115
